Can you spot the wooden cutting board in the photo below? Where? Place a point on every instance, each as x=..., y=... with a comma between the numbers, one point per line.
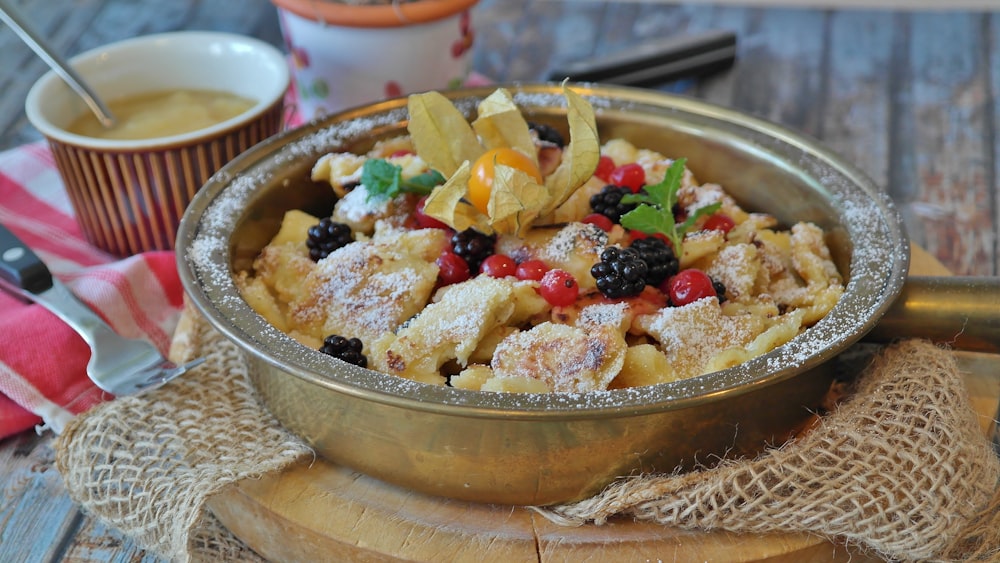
x=322, y=512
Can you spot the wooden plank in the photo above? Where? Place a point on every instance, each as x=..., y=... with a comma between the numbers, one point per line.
x=619, y=27
x=494, y=41
x=940, y=169
x=780, y=77
x=721, y=88
x=656, y=22
x=33, y=514
x=931, y=5
x=120, y=19
x=60, y=28
x=992, y=125
x=38, y=519
x=855, y=119
x=95, y=541
x=552, y=33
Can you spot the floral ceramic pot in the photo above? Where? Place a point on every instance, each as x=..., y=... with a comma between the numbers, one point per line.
x=344, y=55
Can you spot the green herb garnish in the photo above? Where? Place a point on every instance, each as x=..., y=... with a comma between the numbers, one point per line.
x=384, y=180
x=655, y=215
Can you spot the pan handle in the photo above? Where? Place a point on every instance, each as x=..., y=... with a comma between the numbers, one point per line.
x=961, y=311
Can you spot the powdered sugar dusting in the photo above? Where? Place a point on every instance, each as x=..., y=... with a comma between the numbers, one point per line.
x=574, y=238
x=862, y=215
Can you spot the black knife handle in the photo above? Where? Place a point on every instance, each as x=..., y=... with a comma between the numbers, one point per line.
x=658, y=61
x=20, y=267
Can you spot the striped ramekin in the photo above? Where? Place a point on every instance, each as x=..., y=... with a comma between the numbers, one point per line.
x=129, y=195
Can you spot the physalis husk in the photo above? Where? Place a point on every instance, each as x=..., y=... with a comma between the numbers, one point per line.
x=449, y=144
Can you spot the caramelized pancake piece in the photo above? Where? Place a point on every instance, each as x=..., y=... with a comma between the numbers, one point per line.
x=566, y=358
x=587, y=308
x=449, y=329
x=528, y=304
x=282, y=267
x=366, y=289
x=695, y=333
x=811, y=256
x=644, y=364
x=480, y=378
x=259, y=296
x=736, y=266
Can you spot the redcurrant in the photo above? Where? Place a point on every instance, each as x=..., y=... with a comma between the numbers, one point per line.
x=559, y=288
x=426, y=221
x=452, y=268
x=600, y=221
x=531, y=270
x=604, y=167
x=498, y=266
x=719, y=222
x=689, y=286
x=631, y=175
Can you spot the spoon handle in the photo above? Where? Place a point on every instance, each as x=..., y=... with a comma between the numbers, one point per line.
x=10, y=17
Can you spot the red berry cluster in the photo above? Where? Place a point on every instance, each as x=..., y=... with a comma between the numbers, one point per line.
x=559, y=287
x=686, y=286
x=631, y=175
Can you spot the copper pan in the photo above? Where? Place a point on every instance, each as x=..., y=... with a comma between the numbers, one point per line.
x=542, y=449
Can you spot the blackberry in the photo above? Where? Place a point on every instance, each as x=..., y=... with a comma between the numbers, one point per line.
x=720, y=290
x=620, y=273
x=547, y=133
x=659, y=258
x=327, y=236
x=608, y=202
x=473, y=247
x=347, y=349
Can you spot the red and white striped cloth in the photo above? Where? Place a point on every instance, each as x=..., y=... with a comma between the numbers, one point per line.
x=43, y=361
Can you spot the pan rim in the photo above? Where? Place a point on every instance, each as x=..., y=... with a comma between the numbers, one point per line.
x=873, y=286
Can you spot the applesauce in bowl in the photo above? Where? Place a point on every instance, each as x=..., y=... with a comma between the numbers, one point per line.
x=164, y=114
x=129, y=186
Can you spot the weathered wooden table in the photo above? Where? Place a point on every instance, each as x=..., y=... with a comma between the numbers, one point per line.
x=912, y=97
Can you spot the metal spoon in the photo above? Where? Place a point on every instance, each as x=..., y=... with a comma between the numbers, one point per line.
x=57, y=63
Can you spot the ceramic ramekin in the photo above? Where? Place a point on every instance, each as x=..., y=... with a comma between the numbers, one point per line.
x=129, y=195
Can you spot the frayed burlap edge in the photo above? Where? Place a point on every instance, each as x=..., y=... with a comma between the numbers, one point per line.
x=901, y=469
x=147, y=465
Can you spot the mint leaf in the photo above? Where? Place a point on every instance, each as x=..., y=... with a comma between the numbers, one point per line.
x=639, y=198
x=654, y=213
x=648, y=219
x=424, y=183
x=384, y=180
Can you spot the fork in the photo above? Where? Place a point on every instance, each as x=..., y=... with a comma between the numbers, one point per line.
x=121, y=366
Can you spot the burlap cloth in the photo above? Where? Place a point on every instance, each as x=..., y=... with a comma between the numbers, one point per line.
x=900, y=469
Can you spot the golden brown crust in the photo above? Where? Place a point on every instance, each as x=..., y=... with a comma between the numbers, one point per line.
x=365, y=289
x=501, y=335
x=567, y=358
